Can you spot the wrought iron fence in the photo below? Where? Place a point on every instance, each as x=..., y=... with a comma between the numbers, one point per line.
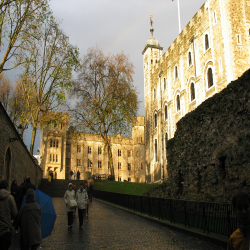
x=210, y=217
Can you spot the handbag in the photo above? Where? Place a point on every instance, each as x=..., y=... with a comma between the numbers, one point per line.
x=72, y=203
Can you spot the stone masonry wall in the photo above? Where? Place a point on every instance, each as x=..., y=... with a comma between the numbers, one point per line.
x=20, y=161
x=209, y=156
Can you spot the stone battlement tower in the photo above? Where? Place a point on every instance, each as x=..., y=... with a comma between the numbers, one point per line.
x=211, y=51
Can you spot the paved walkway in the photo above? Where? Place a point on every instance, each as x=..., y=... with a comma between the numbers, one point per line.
x=111, y=228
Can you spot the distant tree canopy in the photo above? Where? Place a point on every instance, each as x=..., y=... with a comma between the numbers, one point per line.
x=105, y=99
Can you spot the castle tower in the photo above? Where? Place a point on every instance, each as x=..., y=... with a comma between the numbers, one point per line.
x=152, y=54
x=53, y=144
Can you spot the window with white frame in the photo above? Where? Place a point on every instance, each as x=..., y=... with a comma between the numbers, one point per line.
x=206, y=42
x=192, y=91
x=210, y=81
x=99, y=150
x=178, y=103
x=155, y=119
x=176, y=74
x=166, y=111
x=129, y=166
x=119, y=165
x=190, y=58
x=78, y=148
x=79, y=162
x=99, y=164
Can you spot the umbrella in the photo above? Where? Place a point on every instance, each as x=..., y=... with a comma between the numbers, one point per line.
x=48, y=212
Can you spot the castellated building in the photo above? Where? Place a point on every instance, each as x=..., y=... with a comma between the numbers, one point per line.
x=64, y=150
x=211, y=51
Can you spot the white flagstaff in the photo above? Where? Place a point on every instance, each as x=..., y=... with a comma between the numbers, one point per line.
x=179, y=15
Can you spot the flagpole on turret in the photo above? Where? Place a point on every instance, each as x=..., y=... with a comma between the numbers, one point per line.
x=179, y=15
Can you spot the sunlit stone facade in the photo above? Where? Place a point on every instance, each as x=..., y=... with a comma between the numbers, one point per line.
x=211, y=51
x=64, y=150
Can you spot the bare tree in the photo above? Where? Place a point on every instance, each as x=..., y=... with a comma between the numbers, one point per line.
x=106, y=101
x=47, y=72
x=19, y=22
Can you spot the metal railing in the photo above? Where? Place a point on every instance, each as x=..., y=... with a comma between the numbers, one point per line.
x=210, y=217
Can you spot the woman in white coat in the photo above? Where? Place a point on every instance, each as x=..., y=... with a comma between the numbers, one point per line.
x=68, y=196
x=82, y=200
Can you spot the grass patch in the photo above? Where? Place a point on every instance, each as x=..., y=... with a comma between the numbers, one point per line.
x=124, y=187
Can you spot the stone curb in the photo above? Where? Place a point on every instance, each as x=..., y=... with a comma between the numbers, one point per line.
x=217, y=240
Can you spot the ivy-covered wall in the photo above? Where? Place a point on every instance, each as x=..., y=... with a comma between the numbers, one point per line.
x=209, y=156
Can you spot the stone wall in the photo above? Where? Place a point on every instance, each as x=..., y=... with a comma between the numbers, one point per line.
x=209, y=156
x=15, y=159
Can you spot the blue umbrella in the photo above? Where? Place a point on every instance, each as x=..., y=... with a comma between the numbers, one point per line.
x=48, y=212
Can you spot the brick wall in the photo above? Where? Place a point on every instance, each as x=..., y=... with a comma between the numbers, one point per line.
x=15, y=160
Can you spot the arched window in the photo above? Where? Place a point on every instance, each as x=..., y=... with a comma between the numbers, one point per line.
x=155, y=150
x=155, y=120
x=176, y=72
x=206, y=42
x=166, y=112
x=210, y=81
x=189, y=58
x=154, y=94
x=178, y=103
x=192, y=91
x=166, y=141
x=165, y=85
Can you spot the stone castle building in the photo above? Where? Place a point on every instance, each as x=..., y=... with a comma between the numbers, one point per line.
x=211, y=51
x=64, y=150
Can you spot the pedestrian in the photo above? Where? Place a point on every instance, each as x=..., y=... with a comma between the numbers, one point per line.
x=14, y=188
x=88, y=191
x=8, y=211
x=29, y=220
x=74, y=174
x=28, y=185
x=78, y=175
x=14, y=192
x=74, y=188
x=51, y=173
x=24, y=181
x=91, y=189
x=71, y=173
x=240, y=239
x=69, y=198
x=49, y=179
x=82, y=201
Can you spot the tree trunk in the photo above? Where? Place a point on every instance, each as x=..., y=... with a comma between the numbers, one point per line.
x=110, y=163
x=33, y=140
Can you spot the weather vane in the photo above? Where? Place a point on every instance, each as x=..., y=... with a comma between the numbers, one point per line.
x=151, y=21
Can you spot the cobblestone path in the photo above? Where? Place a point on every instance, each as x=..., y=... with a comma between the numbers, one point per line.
x=111, y=228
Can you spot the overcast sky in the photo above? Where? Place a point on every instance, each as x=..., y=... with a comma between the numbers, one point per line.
x=121, y=25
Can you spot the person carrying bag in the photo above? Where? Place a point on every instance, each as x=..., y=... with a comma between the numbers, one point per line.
x=69, y=198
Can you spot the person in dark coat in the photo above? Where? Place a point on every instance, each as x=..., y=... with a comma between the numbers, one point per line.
x=78, y=175
x=14, y=188
x=28, y=185
x=8, y=212
x=29, y=220
x=71, y=174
